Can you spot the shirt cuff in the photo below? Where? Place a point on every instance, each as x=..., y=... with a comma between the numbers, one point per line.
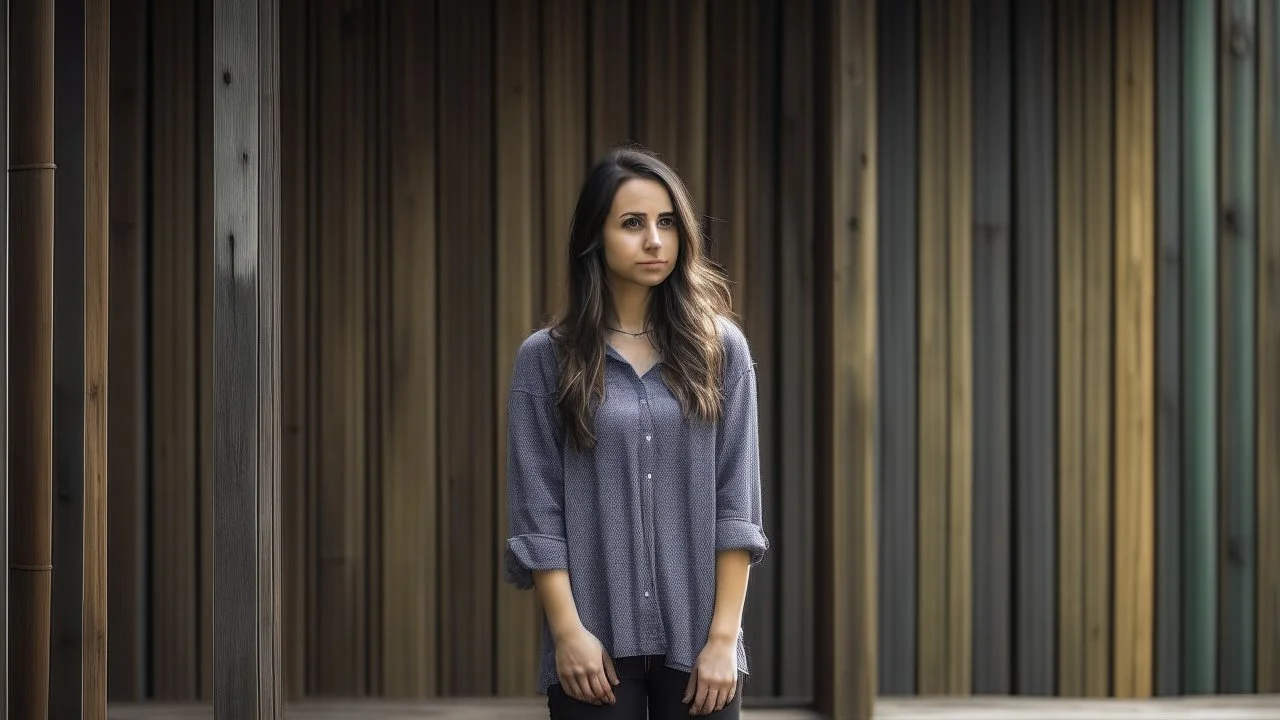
x=738, y=534
x=526, y=553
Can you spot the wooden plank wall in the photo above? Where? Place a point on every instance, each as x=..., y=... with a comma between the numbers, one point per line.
x=1044, y=340
x=432, y=155
x=1050, y=516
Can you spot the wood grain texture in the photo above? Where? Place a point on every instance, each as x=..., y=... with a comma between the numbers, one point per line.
x=517, y=613
x=992, y=340
x=1135, y=403
x=127, y=427
x=794, y=341
x=847, y=246
x=1238, y=247
x=247, y=678
x=933, y=351
x=1268, y=477
x=1070, y=362
x=612, y=43
x=1035, y=327
x=4, y=377
x=897, y=64
x=1170, y=403
x=205, y=283
x=97, y=268
x=564, y=127
x=174, y=602
x=66, y=642
x=465, y=275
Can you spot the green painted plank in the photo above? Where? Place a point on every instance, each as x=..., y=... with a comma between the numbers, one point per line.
x=1238, y=252
x=992, y=341
x=1200, y=580
x=1035, y=331
x=1169, y=417
x=897, y=64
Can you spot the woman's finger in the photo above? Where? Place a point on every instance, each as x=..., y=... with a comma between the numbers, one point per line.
x=610, y=671
x=600, y=687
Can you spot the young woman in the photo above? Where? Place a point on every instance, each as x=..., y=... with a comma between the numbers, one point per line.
x=633, y=473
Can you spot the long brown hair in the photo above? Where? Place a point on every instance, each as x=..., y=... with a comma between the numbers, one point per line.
x=683, y=311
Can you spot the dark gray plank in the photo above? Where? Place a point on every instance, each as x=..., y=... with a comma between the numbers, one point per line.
x=68, y=361
x=1168, y=600
x=1035, y=405
x=992, y=431
x=4, y=353
x=795, y=346
x=897, y=66
x=246, y=176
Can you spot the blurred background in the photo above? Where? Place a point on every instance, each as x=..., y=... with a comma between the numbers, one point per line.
x=1077, y=291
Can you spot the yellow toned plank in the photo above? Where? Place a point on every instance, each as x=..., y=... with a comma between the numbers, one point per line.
x=934, y=354
x=960, y=353
x=564, y=123
x=1135, y=347
x=517, y=220
x=1071, y=353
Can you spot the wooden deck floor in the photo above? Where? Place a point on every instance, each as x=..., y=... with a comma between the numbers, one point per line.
x=1255, y=707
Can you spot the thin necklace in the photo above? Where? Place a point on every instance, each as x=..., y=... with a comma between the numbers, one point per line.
x=624, y=332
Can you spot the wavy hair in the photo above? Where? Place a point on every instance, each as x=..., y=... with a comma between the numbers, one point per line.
x=683, y=310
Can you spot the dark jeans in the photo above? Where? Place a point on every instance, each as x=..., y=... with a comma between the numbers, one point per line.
x=647, y=689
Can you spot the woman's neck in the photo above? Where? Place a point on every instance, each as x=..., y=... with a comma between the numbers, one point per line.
x=630, y=308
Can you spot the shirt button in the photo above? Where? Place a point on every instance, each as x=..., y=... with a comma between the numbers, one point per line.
x=648, y=438
x=648, y=476
x=646, y=594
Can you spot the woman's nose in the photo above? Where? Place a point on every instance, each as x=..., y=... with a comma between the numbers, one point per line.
x=653, y=238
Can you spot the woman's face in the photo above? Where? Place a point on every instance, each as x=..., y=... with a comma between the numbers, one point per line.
x=641, y=242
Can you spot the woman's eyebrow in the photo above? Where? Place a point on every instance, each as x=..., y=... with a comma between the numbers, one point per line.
x=625, y=213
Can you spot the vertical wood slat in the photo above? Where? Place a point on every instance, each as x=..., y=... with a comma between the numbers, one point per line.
x=31, y=175
x=465, y=277
x=518, y=629
x=846, y=256
x=294, y=234
x=1170, y=402
x=205, y=281
x=1237, y=309
x=1099, y=232
x=4, y=376
x=793, y=505
x=340, y=476
x=66, y=660
x=728, y=128
x=97, y=267
x=1268, y=477
x=756, y=300
x=897, y=64
x=563, y=118
x=410, y=571
x=611, y=41
x=1071, y=323
x=313, y=258
x=127, y=540
x=1199, y=202
x=992, y=339
x=959, y=313
x=933, y=352
x=1035, y=428
x=174, y=543
x=687, y=26
x=246, y=334
x=1135, y=404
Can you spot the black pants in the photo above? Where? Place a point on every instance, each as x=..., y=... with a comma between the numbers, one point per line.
x=647, y=688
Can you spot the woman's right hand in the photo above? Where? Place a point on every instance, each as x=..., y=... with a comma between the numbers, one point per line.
x=586, y=671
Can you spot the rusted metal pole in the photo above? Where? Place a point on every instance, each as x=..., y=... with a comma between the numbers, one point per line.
x=31, y=173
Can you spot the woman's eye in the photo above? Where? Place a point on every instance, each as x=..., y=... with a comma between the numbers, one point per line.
x=666, y=222
x=631, y=223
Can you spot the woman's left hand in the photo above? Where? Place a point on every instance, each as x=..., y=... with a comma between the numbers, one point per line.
x=714, y=680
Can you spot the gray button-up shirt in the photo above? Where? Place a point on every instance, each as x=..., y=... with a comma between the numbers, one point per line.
x=638, y=521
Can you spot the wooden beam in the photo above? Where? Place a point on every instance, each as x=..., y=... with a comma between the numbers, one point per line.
x=97, y=265
x=30, y=267
x=4, y=365
x=846, y=657
x=246, y=175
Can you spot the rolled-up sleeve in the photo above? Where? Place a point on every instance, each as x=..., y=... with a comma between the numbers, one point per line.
x=535, y=489
x=739, y=516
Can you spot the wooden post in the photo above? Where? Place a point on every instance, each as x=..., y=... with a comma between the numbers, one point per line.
x=246, y=181
x=846, y=264
x=97, y=183
x=31, y=173
x=4, y=362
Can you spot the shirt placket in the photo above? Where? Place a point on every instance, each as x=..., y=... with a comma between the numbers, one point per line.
x=648, y=463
